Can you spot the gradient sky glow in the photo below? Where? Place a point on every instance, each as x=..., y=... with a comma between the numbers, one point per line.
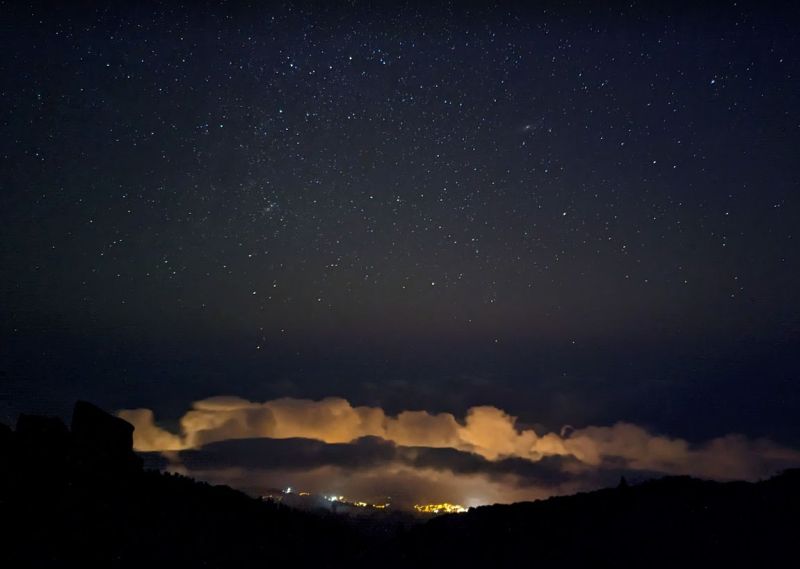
x=578, y=216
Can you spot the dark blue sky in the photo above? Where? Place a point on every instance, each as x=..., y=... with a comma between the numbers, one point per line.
x=580, y=216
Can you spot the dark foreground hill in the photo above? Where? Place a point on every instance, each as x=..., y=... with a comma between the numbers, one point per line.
x=671, y=522
x=79, y=497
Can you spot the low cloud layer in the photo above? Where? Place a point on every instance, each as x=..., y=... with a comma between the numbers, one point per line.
x=486, y=445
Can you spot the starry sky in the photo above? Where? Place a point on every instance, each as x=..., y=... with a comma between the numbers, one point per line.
x=577, y=215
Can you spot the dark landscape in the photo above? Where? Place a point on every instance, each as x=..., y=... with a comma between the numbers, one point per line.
x=80, y=497
x=399, y=283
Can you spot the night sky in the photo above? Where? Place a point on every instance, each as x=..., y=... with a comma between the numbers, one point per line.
x=578, y=216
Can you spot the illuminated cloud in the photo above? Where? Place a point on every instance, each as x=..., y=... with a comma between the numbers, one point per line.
x=486, y=433
x=148, y=436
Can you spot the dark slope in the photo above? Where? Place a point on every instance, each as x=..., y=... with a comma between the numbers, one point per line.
x=79, y=498
x=672, y=522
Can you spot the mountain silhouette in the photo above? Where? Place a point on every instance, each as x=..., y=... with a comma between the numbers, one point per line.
x=670, y=522
x=79, y=497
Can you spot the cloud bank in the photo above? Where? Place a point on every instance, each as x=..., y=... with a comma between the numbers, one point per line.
x=228, y=437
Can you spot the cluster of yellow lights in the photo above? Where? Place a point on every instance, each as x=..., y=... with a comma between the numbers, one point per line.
x=339, y=499
x=359, y=504
x=445, y=508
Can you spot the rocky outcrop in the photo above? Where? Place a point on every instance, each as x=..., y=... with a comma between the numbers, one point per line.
x=42, y=432
x=40, y=446
x=42, y=449
x=101, y=442
x=78, y=498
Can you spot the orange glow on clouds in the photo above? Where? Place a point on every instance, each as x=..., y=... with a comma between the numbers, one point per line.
x=486, y=431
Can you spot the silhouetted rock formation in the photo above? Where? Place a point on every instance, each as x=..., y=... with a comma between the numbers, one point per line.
x=102, y=443
x=6, y=436
x=42, y=449
x=40, y=446
x=38, y=430
x=80, y=498
x=6, y=452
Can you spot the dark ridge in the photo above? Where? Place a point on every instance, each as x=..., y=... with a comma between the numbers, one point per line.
x=80, y=497
x=670, y=522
